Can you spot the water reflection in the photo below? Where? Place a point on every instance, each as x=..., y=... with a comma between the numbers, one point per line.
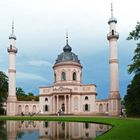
x=43, y=130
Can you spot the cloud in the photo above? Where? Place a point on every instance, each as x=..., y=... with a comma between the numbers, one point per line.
x=30, y=76
x=39, y=63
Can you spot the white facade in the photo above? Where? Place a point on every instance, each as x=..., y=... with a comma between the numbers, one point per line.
x=71, y=99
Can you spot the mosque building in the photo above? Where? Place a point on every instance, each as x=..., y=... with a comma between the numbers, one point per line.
x=68, y=94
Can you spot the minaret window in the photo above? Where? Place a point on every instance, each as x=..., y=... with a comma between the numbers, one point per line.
x=10, y=47
x=63, y=76
x=112, y=32
x=74, y=77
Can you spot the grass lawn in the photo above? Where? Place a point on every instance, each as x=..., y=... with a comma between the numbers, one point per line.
x=123, y=129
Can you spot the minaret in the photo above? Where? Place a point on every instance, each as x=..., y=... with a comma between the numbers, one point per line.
x=114, y=96
x=12, y=50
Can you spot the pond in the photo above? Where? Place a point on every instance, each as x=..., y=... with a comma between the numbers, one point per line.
x=44, y=130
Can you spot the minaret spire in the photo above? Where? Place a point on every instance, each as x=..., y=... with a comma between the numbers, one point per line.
x=67, y=39
x=111, y=9
x=112, y=18
x=12, y=35
x=12, y=26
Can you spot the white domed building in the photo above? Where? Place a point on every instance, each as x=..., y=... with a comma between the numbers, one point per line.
x=68, y=94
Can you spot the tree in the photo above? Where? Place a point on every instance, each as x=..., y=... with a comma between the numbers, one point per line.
x=30, y=94
x=22, y=96
x=20, y=92
x=3, y=90
x=132, y=98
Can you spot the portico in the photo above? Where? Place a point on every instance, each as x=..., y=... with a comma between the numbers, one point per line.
x=63, y=102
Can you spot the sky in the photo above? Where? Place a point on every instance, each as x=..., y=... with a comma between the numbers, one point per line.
x=41, y=26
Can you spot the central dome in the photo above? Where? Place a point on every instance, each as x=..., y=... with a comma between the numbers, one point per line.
x=67, y=55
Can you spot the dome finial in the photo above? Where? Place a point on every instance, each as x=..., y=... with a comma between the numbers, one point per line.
x=67, y=39
x=67, y=48
x=111, y=9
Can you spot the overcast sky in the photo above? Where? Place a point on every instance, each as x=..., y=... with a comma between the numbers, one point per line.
x=40, y=28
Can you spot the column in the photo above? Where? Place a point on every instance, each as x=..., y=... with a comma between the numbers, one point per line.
x=65, y=97
x=69, y=104
x=57, y=97
x=53, y=110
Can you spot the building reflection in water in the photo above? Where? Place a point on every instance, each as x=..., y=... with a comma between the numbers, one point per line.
x=55, y=130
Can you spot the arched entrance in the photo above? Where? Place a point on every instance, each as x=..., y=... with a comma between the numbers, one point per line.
x=26, y=109
x=19, y=109
x=34, y=109
x=63, y=107
x=101, y=108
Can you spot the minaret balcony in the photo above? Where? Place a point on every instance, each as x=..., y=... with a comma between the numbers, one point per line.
x=112, y=34
x=12, y=49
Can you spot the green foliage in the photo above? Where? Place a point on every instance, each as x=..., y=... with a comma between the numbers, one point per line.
x=30, y=94
x=22, y=96
x=3, y=90
x=20, y=92
x=132, y=98
x=122, y=102
x=135, y=35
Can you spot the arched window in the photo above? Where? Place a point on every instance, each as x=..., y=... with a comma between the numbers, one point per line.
x=46, y=99
x=86, y=107
x=26, y=109
x=74, y=76
x=63, y=76
x=86, y=98
x=34, y=109
x=46, y=108
x=55, y=77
